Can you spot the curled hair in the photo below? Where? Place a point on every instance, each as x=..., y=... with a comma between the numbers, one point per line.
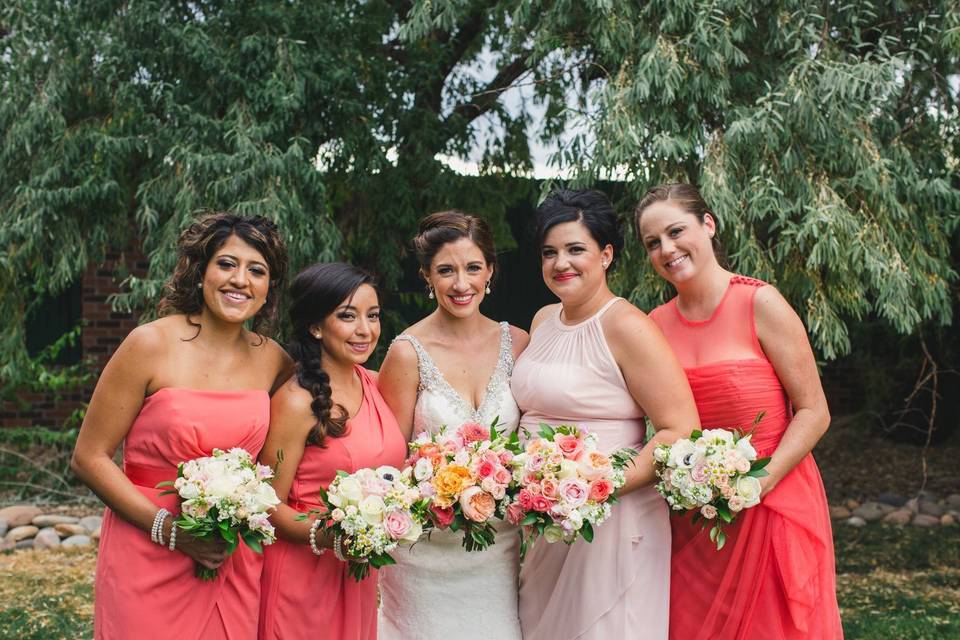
x=315, y=293
x=687, y=197
x=438, y=229
x=197, y=245
x=590, y=208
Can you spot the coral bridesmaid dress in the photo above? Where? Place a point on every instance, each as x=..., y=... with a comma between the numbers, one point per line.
x=144, y=590
x=309, y=596
x=775, y=578
x=617, y=586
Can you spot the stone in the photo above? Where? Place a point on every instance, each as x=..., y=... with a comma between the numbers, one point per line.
x=851, y=504
x=953, y=501
x=899, y=517
x=931, y=508
x=53, y=520
x=3, y=527
x=947, y=520
x=891, y=499
x=96, y=534
x=7, y=545
x=22, y=533
x=923, y=520
x=46, y=538
x=67, y=530
x=839, y=513
x=91, y=523
x=24, y=544
x=77, y=541
x=856, y=521
x=912, y=505
x=873, y=511
x=19, y=515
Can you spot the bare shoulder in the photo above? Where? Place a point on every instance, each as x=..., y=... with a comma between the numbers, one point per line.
x=149, y=339
x=771, y=308
x=519, y=338
x=623, y=321
x=543, y=314
x=400, y=355
x=291, y=405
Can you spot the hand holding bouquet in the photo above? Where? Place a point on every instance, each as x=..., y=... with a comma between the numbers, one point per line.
x=563, y=485
x=466, y=472
x=369, y=513
x=713, y=473
x=226, y=495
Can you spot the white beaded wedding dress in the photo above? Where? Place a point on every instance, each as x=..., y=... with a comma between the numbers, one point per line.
x=438, y=590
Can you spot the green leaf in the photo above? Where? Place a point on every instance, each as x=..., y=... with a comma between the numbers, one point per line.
x=530, y=518
x=586, y=531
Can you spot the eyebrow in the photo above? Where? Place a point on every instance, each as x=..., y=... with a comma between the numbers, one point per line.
x=569, y=244
x=233, y=257
x=350, y=307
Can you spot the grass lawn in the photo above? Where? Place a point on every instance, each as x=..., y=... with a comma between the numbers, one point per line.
x=893, y=583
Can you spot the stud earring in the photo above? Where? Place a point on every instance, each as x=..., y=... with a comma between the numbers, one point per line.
x=317, y=335
x=199, y=285
x=605, y=264
x=430, y=292
x=487, y=288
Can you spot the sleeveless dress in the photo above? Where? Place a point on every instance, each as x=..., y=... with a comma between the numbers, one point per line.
x=438, y=590
x=308, y=596
x=618, y=585
x=775, y=578
x=143, y=590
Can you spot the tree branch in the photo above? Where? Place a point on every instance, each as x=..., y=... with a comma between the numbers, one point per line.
x=484, y=100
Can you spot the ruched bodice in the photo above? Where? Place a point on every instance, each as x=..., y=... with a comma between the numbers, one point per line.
x=144, y=590
x=617, y=586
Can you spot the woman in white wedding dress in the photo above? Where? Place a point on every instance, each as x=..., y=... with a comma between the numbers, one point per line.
x=450, y=368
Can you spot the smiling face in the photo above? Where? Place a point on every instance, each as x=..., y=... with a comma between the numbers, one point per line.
x=678, y=243
x=572, y=263
x=350, y=334
x=459, y=275
x=236, y=281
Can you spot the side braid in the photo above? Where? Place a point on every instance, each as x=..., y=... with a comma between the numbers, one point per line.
x=307, y=353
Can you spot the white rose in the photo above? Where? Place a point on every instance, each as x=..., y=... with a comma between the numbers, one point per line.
x=553, y=533
x=462, y=458
x=722, y=435
x=745, y=448
x=338, y=515
x=371, y=508
x=350, y=490
x=414, y=533
x=265, y=497
x=223, y=485
x=519, y=460
x=188, y=490
x=423, y=470
x=568, y=469
x=575, y=519
x=748, y=488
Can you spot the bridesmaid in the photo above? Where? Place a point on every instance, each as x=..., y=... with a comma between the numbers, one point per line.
x=744, y=351
x=330, y=417
x=597, y=361
x=175, y=389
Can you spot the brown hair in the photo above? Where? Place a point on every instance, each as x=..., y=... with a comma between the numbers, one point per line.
x=201, y=240
x=687, y=197
x=443, y=227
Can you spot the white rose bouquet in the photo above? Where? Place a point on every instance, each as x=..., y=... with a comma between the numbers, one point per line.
x=226, y=495
x=712, y=474
x=370, y=512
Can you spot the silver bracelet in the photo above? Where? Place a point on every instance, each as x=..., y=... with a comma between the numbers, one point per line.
x=173, y=536
x=156, y=532
x=338, y=549
x=317, y=551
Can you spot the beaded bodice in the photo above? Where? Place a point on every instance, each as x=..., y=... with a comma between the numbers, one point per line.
x=439, y=404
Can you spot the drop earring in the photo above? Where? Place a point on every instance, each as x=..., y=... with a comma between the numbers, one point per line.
x=487, y=288
x=430, y=292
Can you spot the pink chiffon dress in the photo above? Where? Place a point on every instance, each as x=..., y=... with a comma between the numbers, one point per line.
x=308, y=596
x=618, y=585
x=775, y=578
x=145, y=591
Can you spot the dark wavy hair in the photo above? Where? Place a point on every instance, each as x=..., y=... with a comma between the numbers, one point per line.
x=588, y=207
x=687, y=197
x=315, y=293
x=197, y=245
x=442, y=227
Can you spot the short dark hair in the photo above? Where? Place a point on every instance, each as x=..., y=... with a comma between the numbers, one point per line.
x=443, y=227
x=587, y=206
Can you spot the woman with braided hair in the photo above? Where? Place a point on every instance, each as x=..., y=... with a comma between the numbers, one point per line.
x=328, y=417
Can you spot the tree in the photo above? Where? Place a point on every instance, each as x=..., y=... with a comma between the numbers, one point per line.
x=825, y=136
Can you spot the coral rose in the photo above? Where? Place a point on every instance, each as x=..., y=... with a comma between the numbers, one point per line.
x=541, y=504
x=600, y=489
x=525, y=499
x=570, y=446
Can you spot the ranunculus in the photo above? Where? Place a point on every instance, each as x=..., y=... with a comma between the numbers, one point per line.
x=477, y=505
x=371, y=508
x=397, y=524
x=594, y=465
x=473, y=432
x=748, y=488
x=548, y=488
x=570, y=446
x=574, y=491
x=600, y=489
x=553, y=533
x=708, y=511
x=525, y=498
x=515, y=513
x=442, y=516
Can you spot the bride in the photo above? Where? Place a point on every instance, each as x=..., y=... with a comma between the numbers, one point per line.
x=453, y=367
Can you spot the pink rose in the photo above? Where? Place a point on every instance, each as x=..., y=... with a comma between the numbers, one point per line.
x=502, y=475
x=573, y=491
x=477, y=505
x=397, y=524
x=548, y=488
x=515, y=513
x=486, y=469
x=736, y=503
x=600, y=489
x=708, y=511
x=727, y=491
x=535, y=489
x=699, y=472
x=473, y=432
x=570, y=446
x=442, y=516
x=506, y=457
x=525, y=498
x=541, y=504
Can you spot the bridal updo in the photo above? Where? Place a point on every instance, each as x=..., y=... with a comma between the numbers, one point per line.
x=438, y=229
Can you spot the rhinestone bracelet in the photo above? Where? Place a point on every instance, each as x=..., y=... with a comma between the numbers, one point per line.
x=173, y=536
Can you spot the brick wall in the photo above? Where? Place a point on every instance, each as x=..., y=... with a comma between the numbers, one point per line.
x=104, y=329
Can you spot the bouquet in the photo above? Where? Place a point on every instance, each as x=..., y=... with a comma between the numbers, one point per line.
x=226, y=495
x=372, y=511
x=563, y=486
x=466, y=472
x=713, y=474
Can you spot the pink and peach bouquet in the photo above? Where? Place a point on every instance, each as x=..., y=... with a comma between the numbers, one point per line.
x=466, y=472
x=563, y=485
x=713, y=474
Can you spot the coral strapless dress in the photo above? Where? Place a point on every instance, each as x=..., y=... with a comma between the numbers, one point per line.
x=775, y=578
x=145, y=591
